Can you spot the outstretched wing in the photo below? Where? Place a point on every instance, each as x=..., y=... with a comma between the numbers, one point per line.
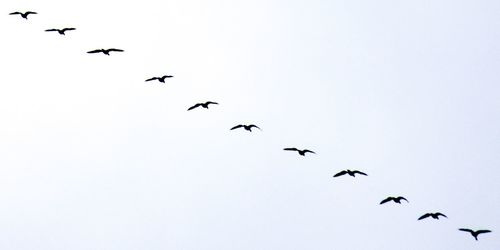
x=152, y=79
x=308, y=151
x=387, y=200
x=195, y=106
x=483, y=231
x=253, y=126
x=424, y=216
x=66, y=29
x=95, y=51
x=30, y=12
x=403, y=198
x=211, y=103
x=291, y=149
x=358, y=172
x=466, y=230
x=52, y=30
x=440, y=214
x=237, y=126
x=343, y=172
x=117, y=50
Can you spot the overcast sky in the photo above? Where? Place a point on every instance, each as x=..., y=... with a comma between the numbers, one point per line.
x=93, y=157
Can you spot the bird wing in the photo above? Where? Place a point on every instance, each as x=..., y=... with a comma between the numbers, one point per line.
x=343, y=172
x=387, y=200
x=66, y=29
x=424, y=216
x=195, y=106
x=95, y=51
x=152, y=79
x=291, y=149
x=52, y=30
x=308, y=151
x=118, y=50
x=466, y=230
x=254, y=126
x=211, y=103
x=237, y=126
x=438, y=214
x=403, y=198
x=30, y=12
x=359, y=172
x=15, y=13
x=483, y=231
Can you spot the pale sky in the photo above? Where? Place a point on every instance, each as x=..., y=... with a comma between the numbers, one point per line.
x=93, y=157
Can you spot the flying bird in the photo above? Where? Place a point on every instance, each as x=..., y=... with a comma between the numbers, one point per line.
x=474, y=233
x=395, y=199
x=104, y=51
x=301, y=152
x=23, y=15
x=60, y=31
x=160, y=79
x=203, y=105
x=349, y=172
x=433, y=215
x=246, y=127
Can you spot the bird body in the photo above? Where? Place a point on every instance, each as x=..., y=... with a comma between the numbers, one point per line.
x=60, y=31
x=203, y=105
x=104, y=51
x=349, y=172
x=301, y=152
x=160, y=79
x=395, y=199
x=246, y=127
x=474, y=233
x=23, y=15
x=432, y=215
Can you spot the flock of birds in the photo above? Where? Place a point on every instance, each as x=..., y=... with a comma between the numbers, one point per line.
x=248, y=127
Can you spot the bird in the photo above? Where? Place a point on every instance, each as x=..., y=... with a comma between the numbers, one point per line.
x=160, y=79
x=203, y=105
x=349, y=172
x=23, y=15
x=395, y=199
x=433, y=215
x=474, y=233
x=60, y=31
x=104, y=51
x=301, y=152
x=246, y=127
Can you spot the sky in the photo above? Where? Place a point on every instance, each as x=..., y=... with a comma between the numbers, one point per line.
x=94, y=157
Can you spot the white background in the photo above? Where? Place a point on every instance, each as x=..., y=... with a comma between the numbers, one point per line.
x=93, y=157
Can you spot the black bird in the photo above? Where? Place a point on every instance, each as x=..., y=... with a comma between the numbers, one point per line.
x=104, y=51
x=60, y=31
x=246, y=127
x=349, y=172
x=301, y=152
x=203, y=105
x=395, y=199
x=160, y=79
x=433, y=215
x=23, y=15
x=474, y=233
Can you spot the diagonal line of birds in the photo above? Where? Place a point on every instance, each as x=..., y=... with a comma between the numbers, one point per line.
x=249, y=127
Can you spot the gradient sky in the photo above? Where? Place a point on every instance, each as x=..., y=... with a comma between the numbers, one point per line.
x=92, y=157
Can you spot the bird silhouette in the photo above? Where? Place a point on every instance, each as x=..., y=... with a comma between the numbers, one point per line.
x=433, y=215
x=474, y=233
x=301, y=152
x=246, y=127
x=23, y=15
x=160, y=79
x=203, y=105
x=60, y=31
x=104, y=51
x=395, y=199
x=349, y=172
